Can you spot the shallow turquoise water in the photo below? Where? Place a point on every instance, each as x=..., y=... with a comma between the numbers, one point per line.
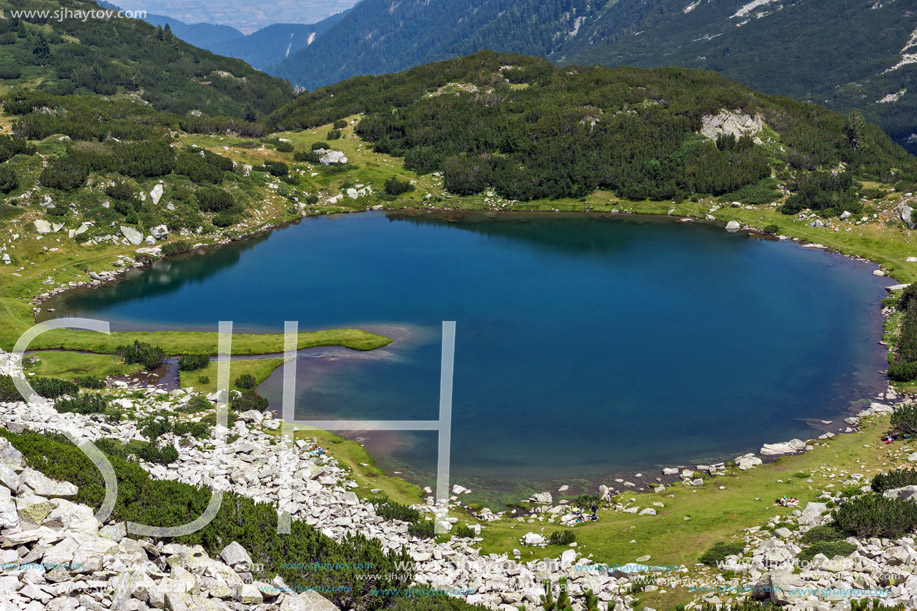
x=585, y=345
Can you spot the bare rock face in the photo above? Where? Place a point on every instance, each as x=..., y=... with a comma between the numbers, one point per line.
x=734, y=123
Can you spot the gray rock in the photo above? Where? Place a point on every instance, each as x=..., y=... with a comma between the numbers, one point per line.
x=10, y=456
x=315, y=602
x=44, y=486
x=734, y=123
x=748, y=461
x=542, y=498
x=156, y=194
x=133, y=236
x=907, y=493
x=9, y=516
x=234, y=554
x=6, y=258
x=42, y=226
x=733, y=226
x=9, y=478
x=333, y=157
x=905, y=213
x=786, y=447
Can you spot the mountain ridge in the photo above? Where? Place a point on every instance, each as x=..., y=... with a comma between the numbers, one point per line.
x=840, y=53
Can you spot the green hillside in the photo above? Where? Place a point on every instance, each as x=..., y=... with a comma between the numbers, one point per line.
x=838, y=53
x=530, y=130
x=125, y=56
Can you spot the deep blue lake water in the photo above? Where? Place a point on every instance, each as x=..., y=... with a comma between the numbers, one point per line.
x=585, y=346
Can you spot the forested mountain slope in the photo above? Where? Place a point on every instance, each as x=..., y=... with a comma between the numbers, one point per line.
x=531, y=130
x=111, y=56
x=844, y=54
x=380, y=36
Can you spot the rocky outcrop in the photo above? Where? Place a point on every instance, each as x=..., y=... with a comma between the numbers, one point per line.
x=56, y=555
x=331, y=157
x=735, y=123
x=256, y=465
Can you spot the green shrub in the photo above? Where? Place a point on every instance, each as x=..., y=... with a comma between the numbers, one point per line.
x=390, y=510
x=8, y=392
x=10, y=71
x=284, y=147
x=193, y=362
x=772, y=229
x=83, y=403
x=463, y=530
x=225, y=219
x=394, y=186
x=120, y=190
x=899, y=478
x=903, y=372
x=170, y=249
x=10, y=146
x=253, y=525
x=145, y=354
x=196, y=167
x=562, y=537
x=154, y=428
x=198, y=403
x=91, y=382
x=64, y=173
x=203, y=379
x=8, y=179
x=829, y=548
x=52, y=388
x=320, y=145
x=422, y=529
x=247, y=381
x=904, y=419
x=248, y=400
x=334, y=134
x=275, y=168
x=198, y=430
x=340, y=124
x=307, y=156
x=718, y=552
x=214, y=199
x=873, y=515
x=164, y=456
x=822, y=533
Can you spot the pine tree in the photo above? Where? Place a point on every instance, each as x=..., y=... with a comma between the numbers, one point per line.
x=856, y=131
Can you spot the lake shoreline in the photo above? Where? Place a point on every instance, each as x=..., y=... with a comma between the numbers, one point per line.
x=513, y=214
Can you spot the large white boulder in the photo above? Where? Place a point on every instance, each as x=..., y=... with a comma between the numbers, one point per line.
x=156, y=194
x=333, y=157
x=133, y=236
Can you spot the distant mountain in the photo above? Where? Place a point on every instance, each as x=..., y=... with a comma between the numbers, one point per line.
x=841, y=53
x=203, y=35
x=261, y=49
x=274, y=43
x=379, y=36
